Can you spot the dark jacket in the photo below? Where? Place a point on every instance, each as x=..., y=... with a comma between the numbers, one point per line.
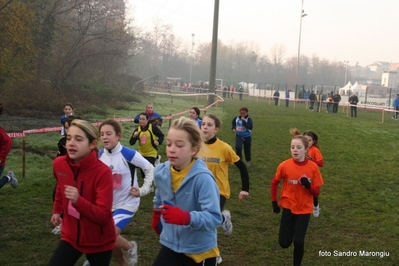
x=353, y=100
x=312, y=97
x=337, y=98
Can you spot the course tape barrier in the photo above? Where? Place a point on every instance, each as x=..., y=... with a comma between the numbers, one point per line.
x=96, y=124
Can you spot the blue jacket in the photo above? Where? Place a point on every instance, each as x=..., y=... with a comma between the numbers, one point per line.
x=153, y=116
x=243, y=127
x=396, y=102
x=199, y=121
x=198, y=194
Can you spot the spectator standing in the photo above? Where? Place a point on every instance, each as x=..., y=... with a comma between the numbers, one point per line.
x=330, y=103
x=353, y=100
x=241, y=92
x=306, y=96
x=225, y=89
x=312, y=99
x=276, y=97
x=287, y=98
x=319, y=99
x=336, y=99
x=232, y=92
x=396, y=107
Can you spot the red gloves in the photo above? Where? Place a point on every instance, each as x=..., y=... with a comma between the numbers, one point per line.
x=175, y=215
x=156, y=221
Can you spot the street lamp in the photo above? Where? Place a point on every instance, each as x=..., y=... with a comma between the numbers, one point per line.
x=346, y=70
x=192, y=57
x=302, y=14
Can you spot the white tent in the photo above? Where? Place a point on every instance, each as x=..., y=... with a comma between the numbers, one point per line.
x=250, y=88
x=358, y=90
x=346, y=90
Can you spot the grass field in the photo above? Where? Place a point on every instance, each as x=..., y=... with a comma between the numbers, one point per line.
x=358, y=201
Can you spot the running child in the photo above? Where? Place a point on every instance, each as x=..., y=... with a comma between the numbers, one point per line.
x=154, y=117
x=314, y=155
x=195, y=114
x=68, y=111
x=62, y=150
x=301, y=182
x=84, y=198
x=242, y=126
x=217, y=155
x=126, y=194
x=149, y=137
x=5, y=148
x=186, y=204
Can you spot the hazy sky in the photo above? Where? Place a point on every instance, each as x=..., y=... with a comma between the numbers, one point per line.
x=361, y=31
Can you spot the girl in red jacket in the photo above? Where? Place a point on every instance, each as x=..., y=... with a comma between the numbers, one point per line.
x=5, y=148
x=84, y=198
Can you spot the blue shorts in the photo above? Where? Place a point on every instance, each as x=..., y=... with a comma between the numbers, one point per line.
x=122, y=218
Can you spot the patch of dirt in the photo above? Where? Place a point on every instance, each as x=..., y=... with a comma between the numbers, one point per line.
x=12, y=124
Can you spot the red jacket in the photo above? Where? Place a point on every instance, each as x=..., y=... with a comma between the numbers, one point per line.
x=5, y=146
x=94, y=231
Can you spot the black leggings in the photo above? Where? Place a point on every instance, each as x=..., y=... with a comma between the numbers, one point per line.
x=151, y=160
x=66, y=255
x=222, y=203
x=293, y=229
x=246, y=142
x=3, y=181
x=167, y=257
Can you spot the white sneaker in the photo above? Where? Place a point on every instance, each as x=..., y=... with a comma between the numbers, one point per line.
x=152, y=189
x=56, y=230
x=219, y=259
x=86, y=263
x=316, y=210
x=131, y=255
x=227, y=226
x=12, y=180
x=158, y=160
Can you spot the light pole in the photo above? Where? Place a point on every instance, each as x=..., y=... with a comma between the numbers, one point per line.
x=214, y=52
x=346, y=70
x=253, y=56
x=192, y=57
x=302, y=14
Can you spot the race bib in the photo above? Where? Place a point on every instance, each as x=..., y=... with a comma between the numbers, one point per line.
x=144, y=139
x=72, y=211
x=241, y=129
x=117, y=181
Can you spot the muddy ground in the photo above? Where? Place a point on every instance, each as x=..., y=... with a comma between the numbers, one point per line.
x=13, y=124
